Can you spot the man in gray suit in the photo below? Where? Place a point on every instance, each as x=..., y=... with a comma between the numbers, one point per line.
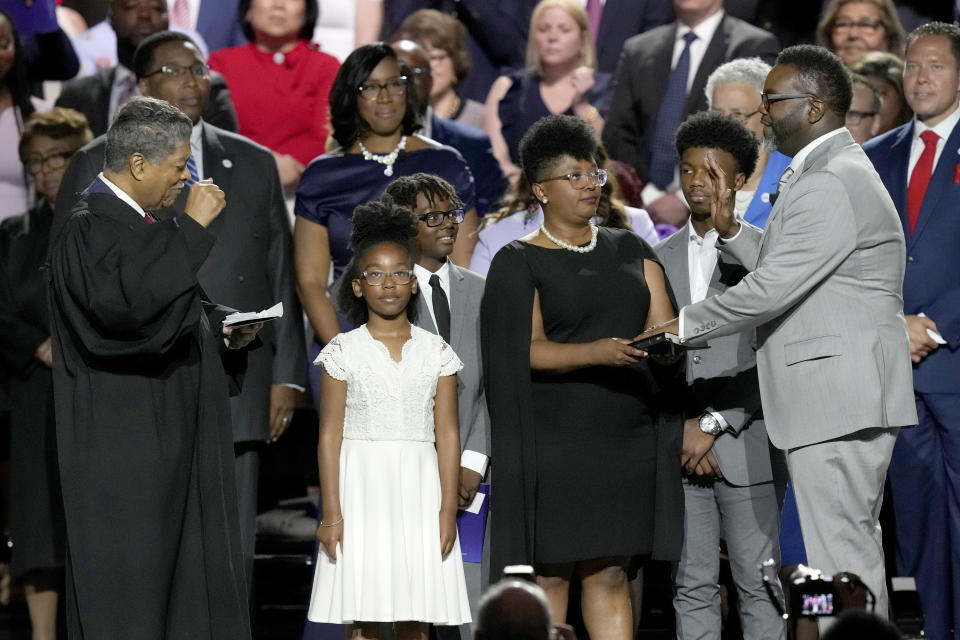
x=824, y=293
x=449, y=305
x=729, y=488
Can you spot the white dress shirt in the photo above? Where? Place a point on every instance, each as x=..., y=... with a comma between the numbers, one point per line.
x=473, y=460
x=705, y=31
x=120, y=193
x=944, y=129
x=701, y=260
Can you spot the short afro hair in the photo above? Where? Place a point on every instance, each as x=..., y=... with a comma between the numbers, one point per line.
x=713, y=130
x=404, y=190
x=949, y=31
x=823, y=72
x=375, y=223
x=143, y=56
x=551, y=138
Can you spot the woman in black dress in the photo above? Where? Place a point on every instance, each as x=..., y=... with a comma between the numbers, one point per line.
x=582, y=468
x=37, y=527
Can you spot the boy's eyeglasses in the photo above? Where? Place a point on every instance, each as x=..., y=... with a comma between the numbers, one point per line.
x=436, y=218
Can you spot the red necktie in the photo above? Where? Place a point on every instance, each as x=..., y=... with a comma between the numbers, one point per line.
x=149, y=218
x=180, y=14
x=920, y=177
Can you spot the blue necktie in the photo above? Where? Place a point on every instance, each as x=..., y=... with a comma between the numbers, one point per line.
x=194, y=174
x=673, y=106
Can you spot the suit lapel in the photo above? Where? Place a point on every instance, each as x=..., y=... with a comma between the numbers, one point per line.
x=898, y=158
x=939, y=181
x=217, y=164
x=457, y=305
x=677, y=264
x=424, y=319
x=663, y=57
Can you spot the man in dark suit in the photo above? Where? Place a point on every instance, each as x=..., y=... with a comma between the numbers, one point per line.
x=918, y=163
x=661, y=80
x=249, y=267
x=143, y=421
x=473, y=144
x=99, y=96
x=622, y=19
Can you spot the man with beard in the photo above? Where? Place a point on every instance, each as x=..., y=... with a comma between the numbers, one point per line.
x=101, y=95
x=823, y=293
x=141, y=398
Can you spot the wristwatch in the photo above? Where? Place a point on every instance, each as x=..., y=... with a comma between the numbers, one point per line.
x=710, y=425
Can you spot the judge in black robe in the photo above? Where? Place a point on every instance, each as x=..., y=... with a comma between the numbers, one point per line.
x=143, y=421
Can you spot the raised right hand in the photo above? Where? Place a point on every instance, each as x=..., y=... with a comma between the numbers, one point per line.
x=721, y=200
x=329, y=537
x=921, y=344
x=615, y=352
x=205, y=202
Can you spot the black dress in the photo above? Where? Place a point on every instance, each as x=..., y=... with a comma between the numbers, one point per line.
x=36, y=506
x=582, y=465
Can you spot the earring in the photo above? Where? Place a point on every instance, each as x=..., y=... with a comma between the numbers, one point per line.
x=545, y=200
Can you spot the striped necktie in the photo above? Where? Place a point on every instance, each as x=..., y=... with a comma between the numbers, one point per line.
x=194, y=174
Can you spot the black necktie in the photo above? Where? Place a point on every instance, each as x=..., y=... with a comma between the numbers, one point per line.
x=441, y=307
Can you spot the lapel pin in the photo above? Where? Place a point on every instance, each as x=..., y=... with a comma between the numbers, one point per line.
x=227, y=163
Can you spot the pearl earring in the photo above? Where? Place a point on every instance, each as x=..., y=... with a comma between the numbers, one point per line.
x=545, y=201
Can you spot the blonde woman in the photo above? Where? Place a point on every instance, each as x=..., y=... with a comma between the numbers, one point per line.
x=560, y=78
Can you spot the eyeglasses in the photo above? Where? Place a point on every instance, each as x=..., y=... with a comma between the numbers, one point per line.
x=48, y=163
x=377, y=278
x=199, y=70
x=769, y=98
x=436, y=218
x=854, y=117
x=370, y=91
x=579, y=180
x=845, y=24
x=739, y=116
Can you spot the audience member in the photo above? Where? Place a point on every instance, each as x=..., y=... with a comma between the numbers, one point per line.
x=863, y=118
x=445, y=40
x=885, y=72
x=281, y=82
x=861, y=625
x=734, y=90
x=36, y=525
x=823, y=293
x=250, y=265
x=140, y=392
x=521, y=214
x=497, y=33
x=918, y=164
x=16, y=105
x=612, y=22
x=388, y=448
x=473, y=144
x=852, y=28
x=577, y=503
x=560, y=77
x=729, y=489
x=374, y=116
x=513, y=609
x=449, y=306
x=101, y=95
x=660, y=81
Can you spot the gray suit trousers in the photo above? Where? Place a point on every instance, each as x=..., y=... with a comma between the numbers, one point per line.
x=748, y=518
x=840, y=533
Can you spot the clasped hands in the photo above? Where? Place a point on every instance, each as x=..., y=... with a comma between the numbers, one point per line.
x=696, y=452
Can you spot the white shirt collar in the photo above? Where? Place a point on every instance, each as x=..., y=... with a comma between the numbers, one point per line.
x=704, y=30
x=696, y=237
x=423, y=276
x=797, y=163
x=942, y=129
x=120, y=193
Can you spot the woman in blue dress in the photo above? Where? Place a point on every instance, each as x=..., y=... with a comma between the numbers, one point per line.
x=373, y=115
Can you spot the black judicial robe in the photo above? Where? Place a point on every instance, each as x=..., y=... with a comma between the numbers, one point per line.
x=143, y=430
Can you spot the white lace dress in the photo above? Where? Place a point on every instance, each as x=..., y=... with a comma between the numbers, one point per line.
x=390, y=567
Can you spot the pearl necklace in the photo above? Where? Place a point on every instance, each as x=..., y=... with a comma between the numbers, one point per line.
x=590, y=246
x=386, y=159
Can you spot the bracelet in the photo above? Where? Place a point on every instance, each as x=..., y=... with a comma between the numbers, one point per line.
x=659, y=326
x=332, y=524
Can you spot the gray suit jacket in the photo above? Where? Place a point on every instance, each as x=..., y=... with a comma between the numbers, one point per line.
x=249, y=268
x=824, y=294
x=466, y=291
x=723, y=377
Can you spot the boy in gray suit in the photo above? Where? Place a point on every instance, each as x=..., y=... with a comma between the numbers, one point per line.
x=729, y=488
x=450, y=306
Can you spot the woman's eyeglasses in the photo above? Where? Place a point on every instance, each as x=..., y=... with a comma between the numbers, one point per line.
x=370, y=91
x=580, y=180
x=436, y=218
x=377, y=278
x=48, y=163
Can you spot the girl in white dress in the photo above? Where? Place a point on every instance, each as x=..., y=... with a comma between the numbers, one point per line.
x=389, y=449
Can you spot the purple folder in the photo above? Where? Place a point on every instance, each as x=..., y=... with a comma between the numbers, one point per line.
x=38, y=17
x=472, y=526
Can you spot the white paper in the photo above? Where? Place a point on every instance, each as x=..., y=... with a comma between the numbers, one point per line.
x=246, y=317
x=474, y=507
x=936, y=337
